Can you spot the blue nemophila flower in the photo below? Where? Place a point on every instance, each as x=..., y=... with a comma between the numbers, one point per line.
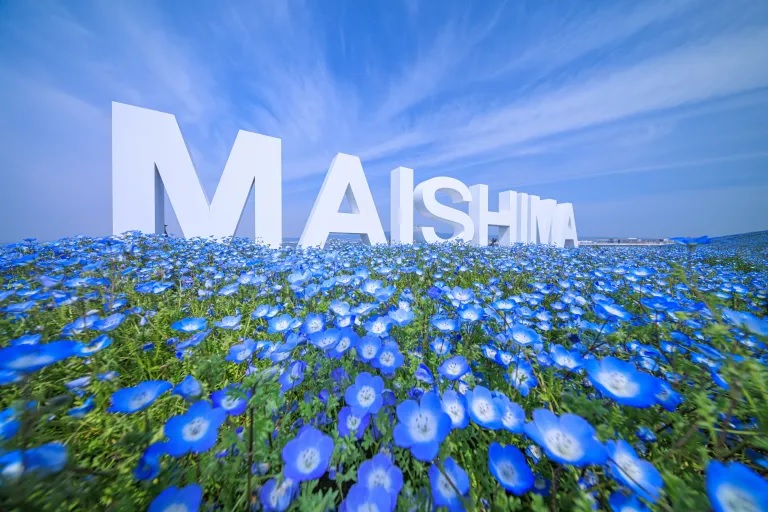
x=470, y=312
x=388, y=359
x=424, y=374
x=628, y=469
x=521, y=377
x=568, y=359
x=292, y=376
x=45, y=459
x=364, y=396
x=622, y=382
x=189, y=388
x=109, y=323
x=314, y=322
x=280, y=324
x=509, y=467
x=621, y=502
x=26, y=339
x=440, y=346
x=734, y=486
x=611, y=311
x=401, y=317
x=9, y=424
x=276, y=497
x=48, y=458
x=667, y=397
x=348, y=339
x=455, y=406
x=445, y=484
x=241, y=352
x=453, y=368
x=351, y=423
x=326, y=339
x=568, y=439
x=379, y=326
x=97, y=344
x=483, y=409
x=524, y=335
x=381, y=473
x=139, y=397
x=645, y=434
x=178, y=499
x=194, y=431
x=149, y=463
x=306, y=456
x=422, y=426
x=444, y=324
x=188, y=325
x=229, y=400
x=30, y=358
x=231, y=323
x=80, y=411
x=368, y=348
x=339, y=307
x=512, y=414
x=363, y=499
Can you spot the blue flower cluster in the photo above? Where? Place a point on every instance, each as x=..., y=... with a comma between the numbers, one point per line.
x=386, y=378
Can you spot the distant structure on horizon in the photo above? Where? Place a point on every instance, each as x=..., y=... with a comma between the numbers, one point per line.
x=629, y=241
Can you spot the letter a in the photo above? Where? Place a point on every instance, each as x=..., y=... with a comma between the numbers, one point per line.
x=345, y=178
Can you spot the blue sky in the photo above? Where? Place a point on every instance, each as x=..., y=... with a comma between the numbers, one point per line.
x=650, y=117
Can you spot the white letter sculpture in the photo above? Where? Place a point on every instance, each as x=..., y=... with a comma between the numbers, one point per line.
x=345, y=178
x=401, y=205
x=505, y=219
x=149, y=158
x=428, y=205
x=149, y=155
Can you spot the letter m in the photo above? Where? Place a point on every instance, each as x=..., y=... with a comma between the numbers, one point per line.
x=149, y=157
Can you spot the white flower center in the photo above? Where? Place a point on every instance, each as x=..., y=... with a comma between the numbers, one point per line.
x=195, y=429
x=176, y=507
x=509, y=419
x=617, y=383
x=423, y=427
x=518, y=377
x=379, y=478
x=446, y=489
x=734, y=499
x=353, y=422
x=369, y=351
x=343, y=345
x=629, y=467
x=453, y=368
x=365, y=396
x=309, y=459
x=483, y=409
x=244, y=353
x=278, y=492
x=31, y=360
x=507, y=472
x=387, y=359
x=563, y=445
x=140, y=400
x=230, y=402
x=455, y=411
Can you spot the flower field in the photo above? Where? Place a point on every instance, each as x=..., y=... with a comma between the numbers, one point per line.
x=154, y=373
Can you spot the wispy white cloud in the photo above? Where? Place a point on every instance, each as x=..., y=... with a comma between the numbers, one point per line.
x=724, y=66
